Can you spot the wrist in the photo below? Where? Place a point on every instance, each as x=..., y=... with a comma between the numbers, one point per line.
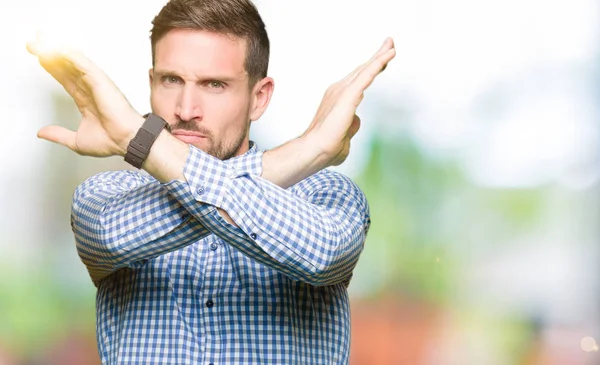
x=129, y=133
x=314, y=151
x=140, y=146
x=294, y=161
x=167, y=158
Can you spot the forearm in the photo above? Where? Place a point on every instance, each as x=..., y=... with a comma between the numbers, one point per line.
x=312, y=232
x=311, y=236
x=337, y=236
x=283, y=166
x=123, y=218
x=167, y=158
x=292, y=162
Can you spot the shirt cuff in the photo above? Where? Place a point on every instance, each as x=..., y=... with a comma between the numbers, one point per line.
x=208, y=179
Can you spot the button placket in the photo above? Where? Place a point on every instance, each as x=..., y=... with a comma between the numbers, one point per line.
x=212, y=279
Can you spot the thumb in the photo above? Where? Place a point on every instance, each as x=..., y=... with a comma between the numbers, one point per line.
x=354, y=127
x=60, y=135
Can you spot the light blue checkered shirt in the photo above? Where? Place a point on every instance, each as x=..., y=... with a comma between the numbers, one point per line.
x=177, y=284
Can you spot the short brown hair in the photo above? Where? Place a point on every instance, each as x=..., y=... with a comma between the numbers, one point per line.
x=239, y=18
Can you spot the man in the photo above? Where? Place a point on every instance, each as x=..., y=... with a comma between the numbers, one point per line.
x=220, y=254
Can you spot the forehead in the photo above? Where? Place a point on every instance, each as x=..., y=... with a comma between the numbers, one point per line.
x=200, y=52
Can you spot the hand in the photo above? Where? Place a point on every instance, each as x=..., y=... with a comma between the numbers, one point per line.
x=336, y=122
x=108, y=120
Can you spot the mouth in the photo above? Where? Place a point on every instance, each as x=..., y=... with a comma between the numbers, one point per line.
x=189, y=137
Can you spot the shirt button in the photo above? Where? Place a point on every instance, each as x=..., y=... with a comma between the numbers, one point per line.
x=200, y=190
x=253, y=236
x=209, y=303
x=213, y=246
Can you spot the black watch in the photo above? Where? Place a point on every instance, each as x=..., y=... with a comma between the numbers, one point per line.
x=139, y=146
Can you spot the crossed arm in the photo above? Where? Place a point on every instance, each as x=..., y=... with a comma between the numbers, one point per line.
x=312, y=231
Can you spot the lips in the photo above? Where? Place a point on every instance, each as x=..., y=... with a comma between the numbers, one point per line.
x=189, y=137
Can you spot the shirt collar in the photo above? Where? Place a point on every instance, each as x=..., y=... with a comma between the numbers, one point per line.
x=250, y=161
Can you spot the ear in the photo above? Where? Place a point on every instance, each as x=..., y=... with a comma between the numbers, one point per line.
x=151, y=76
x=261, y=96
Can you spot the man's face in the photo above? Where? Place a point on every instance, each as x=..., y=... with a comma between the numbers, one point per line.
x=200, y=87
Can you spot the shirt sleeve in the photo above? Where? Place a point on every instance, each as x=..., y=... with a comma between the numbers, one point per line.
x=125, y=218
x=313, y=232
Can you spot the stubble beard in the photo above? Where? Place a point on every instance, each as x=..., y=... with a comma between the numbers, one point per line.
x=226, y=152
x=218, y=150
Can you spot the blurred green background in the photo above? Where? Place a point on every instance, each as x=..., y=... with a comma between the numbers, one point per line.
x=478, y=154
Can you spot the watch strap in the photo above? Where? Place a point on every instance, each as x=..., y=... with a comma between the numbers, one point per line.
x=139, y=147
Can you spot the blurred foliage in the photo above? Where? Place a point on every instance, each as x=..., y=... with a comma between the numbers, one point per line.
x=425, y=213
x=40, y=308
x=405, y=191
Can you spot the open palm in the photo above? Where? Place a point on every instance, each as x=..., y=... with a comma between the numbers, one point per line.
x=108, y=120
x=336, y=122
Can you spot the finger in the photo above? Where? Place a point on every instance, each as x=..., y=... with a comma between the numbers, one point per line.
x=60, y=135
x=365, y=78
x=34, y=48
x=354, y=127
x=387, y=45
x=58, y=66
x=70, y=68
x=61, y=72
x=44, y=45
x=73, y=64
x=47, y=51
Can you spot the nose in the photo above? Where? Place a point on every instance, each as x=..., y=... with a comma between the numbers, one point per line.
x=188, y=106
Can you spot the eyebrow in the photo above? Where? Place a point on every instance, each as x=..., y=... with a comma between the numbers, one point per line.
x=167, y=72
